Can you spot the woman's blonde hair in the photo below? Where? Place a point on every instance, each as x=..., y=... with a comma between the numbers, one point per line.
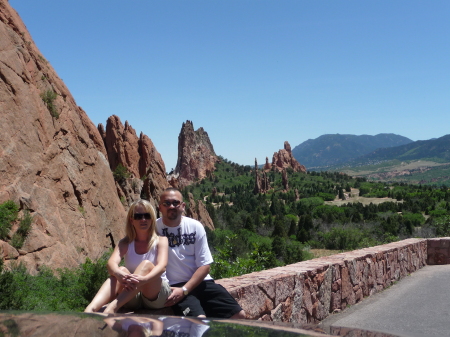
x=129, y=229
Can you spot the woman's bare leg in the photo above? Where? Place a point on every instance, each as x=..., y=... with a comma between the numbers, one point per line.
x=150, y=290
x=107, y=292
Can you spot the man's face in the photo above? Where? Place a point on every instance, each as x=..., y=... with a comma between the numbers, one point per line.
x=171, y=205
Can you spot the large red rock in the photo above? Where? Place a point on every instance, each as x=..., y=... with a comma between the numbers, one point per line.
x=284, y=159
x=139, y=156
x=52, y=159
x=197, y=210
x=196, y=156
x=152, y=167
x=122, y=145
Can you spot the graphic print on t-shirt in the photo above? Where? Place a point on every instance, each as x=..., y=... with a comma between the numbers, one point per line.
x=179, y=239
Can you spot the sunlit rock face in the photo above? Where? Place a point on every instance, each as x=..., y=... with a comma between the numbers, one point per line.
x=196, y=156
x=145, y=167
x=53, y=161
x=284, y=159
x=197, y=210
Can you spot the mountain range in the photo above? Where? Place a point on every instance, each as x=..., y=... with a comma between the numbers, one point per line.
x=436, y=149
x=335, y=149
x=380, y=157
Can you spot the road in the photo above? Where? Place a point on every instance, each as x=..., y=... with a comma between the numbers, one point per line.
x=416, y=306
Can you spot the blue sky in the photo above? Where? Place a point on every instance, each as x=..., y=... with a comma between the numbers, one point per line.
x=252, y=73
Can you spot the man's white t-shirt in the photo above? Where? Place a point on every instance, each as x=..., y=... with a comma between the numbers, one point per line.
x=188, y=249
x=181, y=326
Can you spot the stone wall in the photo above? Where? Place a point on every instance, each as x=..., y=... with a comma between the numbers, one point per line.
x=438, y=251
x=307, y=292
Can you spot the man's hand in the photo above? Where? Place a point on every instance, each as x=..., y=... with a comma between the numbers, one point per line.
x=175, y=297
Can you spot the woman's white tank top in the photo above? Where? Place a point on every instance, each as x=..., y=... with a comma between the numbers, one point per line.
x=133, y=259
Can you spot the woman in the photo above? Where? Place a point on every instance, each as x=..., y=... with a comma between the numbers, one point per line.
x=135, y=325
x=142, y=282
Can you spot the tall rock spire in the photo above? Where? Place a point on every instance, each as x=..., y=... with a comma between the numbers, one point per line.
x=196, y=156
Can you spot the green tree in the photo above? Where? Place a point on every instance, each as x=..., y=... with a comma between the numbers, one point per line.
x=292, y=228
x=276, y=206
x=121, y=173
x=305, y=225
x=279, y=228
x=249, y=224
x=341, y=194
x=279, y=247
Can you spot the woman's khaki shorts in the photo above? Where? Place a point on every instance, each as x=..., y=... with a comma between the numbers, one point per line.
x=140, y=301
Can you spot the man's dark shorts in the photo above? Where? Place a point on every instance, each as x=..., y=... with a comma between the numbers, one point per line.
x=209, y=299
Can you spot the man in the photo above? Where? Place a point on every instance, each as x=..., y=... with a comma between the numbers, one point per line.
x=194, y=292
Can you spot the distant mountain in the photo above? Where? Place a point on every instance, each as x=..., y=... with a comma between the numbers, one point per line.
x=437, y=149
x=328, y=150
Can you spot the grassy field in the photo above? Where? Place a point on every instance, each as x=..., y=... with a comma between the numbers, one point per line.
x=356, y=198
x=411, y=172
x=390, y=167
x=324, y=252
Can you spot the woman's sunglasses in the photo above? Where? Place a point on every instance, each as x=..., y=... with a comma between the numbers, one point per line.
x=140, y=216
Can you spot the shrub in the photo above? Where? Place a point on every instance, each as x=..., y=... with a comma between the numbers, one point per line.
x=326, y=196
x=442, y=225
x=48, y=97
x=309, y=203
x=340, y=238
x=65, y=290
x=7, y=287
x=10, y=283
x=121, y=173
x=8, y=214
x=24, y=227
x=227, y=264
x=417, y=219
x=296, y=252
x=92, y=275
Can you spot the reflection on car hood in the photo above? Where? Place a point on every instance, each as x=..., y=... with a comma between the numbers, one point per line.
x=15, y=323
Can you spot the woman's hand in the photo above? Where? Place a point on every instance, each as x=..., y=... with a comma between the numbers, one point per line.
x=121, y=275
x=133, y=281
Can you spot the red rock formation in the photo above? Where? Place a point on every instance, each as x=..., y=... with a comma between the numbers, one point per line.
x=284, y=159
x=139, y=156
x=196, y=156
x=52, y=159
x=297, y=195
x=262, y=184
x=152, y=167
x=197, y=211
x=122, y=145
x=267, y=165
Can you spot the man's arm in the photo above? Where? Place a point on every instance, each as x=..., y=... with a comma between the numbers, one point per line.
x=198, y=277
x=177, y=293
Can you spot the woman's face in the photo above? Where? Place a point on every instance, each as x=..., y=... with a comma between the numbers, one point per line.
x=141, y=219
